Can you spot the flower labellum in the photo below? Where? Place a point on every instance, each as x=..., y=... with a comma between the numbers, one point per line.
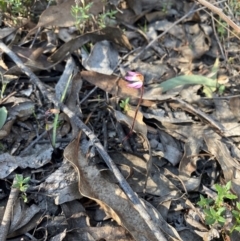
x=136, y=78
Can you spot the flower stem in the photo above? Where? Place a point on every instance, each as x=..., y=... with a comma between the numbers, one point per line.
x=134, y=119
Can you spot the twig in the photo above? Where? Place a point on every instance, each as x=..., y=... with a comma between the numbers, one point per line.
x=220, y=13
x=4, y=228
x=217, y=38
x=112, y=166
x=90, y=92
x=34, y=142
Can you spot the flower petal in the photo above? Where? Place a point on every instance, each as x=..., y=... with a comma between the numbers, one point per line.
x=135, y=85
x=132, y=73
x=131, y=78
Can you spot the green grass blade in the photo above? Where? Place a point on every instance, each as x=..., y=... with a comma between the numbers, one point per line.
x=187, y=80
x=3, y=116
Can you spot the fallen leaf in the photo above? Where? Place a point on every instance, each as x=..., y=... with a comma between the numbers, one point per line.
x=102, y=59
x=60, y=15
x=139, y=125
x=112, y=34
x=108, y=195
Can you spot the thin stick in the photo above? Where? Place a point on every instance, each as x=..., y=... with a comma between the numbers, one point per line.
x=154, y=227
x=5, y=224
x=220, y=13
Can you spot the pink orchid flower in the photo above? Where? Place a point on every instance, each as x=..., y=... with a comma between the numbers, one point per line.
x=137, y=79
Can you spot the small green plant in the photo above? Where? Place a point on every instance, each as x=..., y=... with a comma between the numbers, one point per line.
x=223, y=193
x=21, y=183
x=222, y=28
x=81, y=14
x=16, y=7
x=165, y=7
x=144, y=27
x=125, y=104
x=235, y=6
x=102, y=18
x=236, y=215
x=215, y=210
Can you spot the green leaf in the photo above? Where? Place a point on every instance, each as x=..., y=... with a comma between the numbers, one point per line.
x=219, y=188
x=210, y=220
x=187, y=80
x=220, y=210
x=3, y=116
x=212, y=211
x=228, y=185
x=26, y=180
x=237, y=228
x=24, y=188
x=238, y=205
x=235, y=213
x=221, y=220
x=221, y=89
x=19, y=178
x=230, y=196
x=214, y=69
x=204, y=202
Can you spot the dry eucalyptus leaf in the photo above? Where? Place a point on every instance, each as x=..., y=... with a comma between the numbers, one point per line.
x=138, y=165
x=33, y=58
x=22, y=214
x=113, y=34
x=102, y=59
x=100, y=233
x=61, y=16
x=5, y=130
x=189, y=159
x=139, y=125
x=234, y=104
x=63, y=183
x=9, y=163
x=63, y=85
x=112, y=84
x=22, y=110
x=4, y=32
x=135, y=5
x=230, y=166
x=108, y=195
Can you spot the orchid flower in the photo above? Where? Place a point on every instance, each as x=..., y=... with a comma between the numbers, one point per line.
x=137, y=79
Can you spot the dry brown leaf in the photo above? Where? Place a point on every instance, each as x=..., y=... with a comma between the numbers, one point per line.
x=33, y=58
x=4, y=132
x=114, y=85
x=100, y=233
x=108, y=195
x=135, y=5
x=191, y=150
x=139, y=125
x=234, y=104
x=138, y=168
x=112, y=34
x=230, y=166
x=4, y=32
x=60, y=15
x=72, y=101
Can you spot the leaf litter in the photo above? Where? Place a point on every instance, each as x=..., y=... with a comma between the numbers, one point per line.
x=93, y=176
